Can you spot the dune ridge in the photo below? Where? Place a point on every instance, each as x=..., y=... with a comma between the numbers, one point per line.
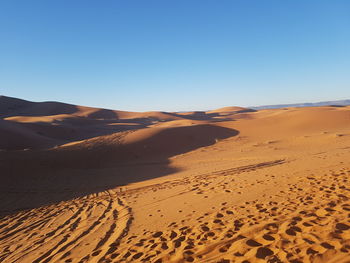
x=227, y=185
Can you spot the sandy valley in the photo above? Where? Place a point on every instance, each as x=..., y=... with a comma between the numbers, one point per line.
x=81, y=184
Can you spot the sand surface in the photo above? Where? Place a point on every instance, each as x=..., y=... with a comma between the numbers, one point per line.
x=228, y=185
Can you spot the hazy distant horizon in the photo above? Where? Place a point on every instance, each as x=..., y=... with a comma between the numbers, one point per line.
x=343, y=102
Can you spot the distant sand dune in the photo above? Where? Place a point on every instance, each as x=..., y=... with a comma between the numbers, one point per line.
x=81, y=184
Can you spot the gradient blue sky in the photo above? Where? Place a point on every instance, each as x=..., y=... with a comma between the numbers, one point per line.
x=175, y=55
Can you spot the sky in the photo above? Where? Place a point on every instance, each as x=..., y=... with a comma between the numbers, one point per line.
x=175, y=55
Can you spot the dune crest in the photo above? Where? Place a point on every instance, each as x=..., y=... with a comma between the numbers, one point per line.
x=228, y=185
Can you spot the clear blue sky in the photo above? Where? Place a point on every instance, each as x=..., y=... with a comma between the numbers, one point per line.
x=175, y=55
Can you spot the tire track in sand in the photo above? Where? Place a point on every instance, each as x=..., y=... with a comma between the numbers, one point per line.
x=89, y=228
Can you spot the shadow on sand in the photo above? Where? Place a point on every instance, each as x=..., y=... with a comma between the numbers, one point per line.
x=32, y=179
x=62, y=130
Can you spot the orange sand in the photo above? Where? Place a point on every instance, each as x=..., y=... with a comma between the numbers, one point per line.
x=229, y=185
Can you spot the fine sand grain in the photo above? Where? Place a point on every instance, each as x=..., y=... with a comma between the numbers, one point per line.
x=228, y=185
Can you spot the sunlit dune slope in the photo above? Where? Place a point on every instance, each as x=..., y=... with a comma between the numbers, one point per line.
x=222, y=186
x=293, y=121
x=54, y=123
x=155, y=142
x=230, y=110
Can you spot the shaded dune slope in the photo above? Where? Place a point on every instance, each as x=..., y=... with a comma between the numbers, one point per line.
x=108, y=156
x=229, y=185
x=48, y=124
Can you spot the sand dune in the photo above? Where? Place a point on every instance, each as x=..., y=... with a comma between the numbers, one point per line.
x=54, y=123
x=230, y=110
x=228, y=185
x=14, y=136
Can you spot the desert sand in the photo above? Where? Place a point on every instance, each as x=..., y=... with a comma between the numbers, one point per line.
x=81, y=184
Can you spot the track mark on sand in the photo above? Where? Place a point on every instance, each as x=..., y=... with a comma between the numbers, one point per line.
x=311, y=224
x=88, y=225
